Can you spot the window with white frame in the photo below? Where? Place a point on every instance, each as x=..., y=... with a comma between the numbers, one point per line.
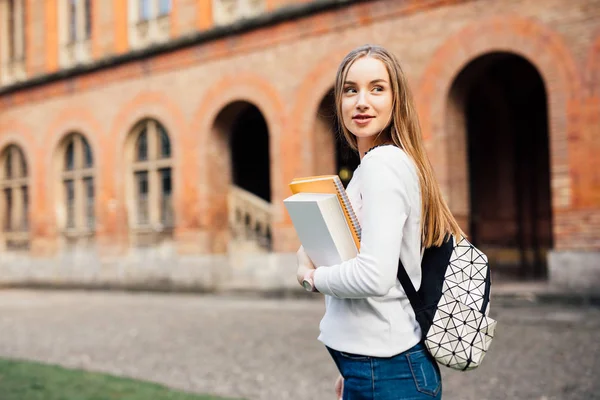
x=226, y=12
x=148, y=22
x=75, y=31
x=77, y=192
x=14, y=200
x=12, y=41
x=151, y=184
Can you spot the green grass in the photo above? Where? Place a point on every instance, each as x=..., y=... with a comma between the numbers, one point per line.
x=24, y=380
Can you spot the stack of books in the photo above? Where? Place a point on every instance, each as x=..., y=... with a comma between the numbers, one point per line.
x=324, y=219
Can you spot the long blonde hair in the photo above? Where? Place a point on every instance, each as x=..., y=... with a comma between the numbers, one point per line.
x=404, y=132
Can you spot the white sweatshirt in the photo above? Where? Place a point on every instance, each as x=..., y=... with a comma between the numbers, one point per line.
x=367, y=311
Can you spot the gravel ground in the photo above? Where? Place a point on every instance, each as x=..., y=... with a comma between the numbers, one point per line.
x=261, y=349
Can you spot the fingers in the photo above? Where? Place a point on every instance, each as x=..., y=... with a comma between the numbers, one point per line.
x=339, y=387
x=304, y=260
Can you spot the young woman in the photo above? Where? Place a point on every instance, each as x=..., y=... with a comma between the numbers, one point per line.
x=369, y=326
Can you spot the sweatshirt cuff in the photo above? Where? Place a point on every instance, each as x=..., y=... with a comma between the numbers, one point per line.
x=320, y=280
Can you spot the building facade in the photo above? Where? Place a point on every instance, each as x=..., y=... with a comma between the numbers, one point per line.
x=150, y=143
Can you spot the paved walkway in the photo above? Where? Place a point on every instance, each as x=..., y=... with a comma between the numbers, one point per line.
x=262, y=349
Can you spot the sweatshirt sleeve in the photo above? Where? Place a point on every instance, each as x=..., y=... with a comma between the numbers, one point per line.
x=385, y=181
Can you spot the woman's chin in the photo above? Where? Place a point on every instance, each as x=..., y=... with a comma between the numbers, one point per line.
x=364, y=133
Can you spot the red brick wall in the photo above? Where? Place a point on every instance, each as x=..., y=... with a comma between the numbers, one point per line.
x=35, y=39
x=51, y=34
x=184, y=17
x=104, y=29
x=286, y=70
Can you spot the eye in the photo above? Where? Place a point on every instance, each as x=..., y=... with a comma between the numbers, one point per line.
x=378, y=88
x=349, y=89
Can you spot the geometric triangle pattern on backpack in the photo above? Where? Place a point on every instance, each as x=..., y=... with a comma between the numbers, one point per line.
x=459, y=336
x=461, y=330
x=466, y=275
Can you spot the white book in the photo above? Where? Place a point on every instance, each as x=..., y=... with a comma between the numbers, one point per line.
x=322, y=227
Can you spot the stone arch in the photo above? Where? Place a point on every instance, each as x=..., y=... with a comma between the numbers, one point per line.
x=240, y=193
x=251, y=89
x=72, y=120
x=146, y=105
x=241, y=125
x=498, y=161
x=20, y=134
x=538, y=44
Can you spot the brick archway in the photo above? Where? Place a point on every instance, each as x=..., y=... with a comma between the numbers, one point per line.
x=12, y=131
x=245, y=88
x=527, y=38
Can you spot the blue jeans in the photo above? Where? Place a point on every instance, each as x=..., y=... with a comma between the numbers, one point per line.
x=411, y=375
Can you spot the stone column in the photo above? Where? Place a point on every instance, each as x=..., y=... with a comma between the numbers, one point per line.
x=18, y=36
x=79, y=190
x=154, y=192
x=17, y=194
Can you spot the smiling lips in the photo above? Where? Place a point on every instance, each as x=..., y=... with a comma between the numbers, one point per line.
x=362, y=119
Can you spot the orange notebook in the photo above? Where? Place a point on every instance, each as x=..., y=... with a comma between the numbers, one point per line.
x=330, y=184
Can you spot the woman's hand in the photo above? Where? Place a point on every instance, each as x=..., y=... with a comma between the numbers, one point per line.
x=339, y=387
x=304, y=264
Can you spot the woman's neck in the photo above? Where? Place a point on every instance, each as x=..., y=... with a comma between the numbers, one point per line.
x=367, y=143
x=364, y=144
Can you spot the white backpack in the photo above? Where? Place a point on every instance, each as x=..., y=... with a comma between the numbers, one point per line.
x=452, y=303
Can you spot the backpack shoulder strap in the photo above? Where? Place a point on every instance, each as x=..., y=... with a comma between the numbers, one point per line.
x=409, y=289
x=434, y=262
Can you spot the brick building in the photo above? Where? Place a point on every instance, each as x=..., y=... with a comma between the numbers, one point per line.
x=150, y=142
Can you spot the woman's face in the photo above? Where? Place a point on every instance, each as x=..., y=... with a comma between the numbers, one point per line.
x=367, y=98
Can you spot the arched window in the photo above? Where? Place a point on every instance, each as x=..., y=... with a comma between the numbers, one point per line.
x=77, y=176
x=152, y=176
x=15, y=198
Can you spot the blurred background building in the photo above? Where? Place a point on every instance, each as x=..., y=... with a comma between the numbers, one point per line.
x=150, y=143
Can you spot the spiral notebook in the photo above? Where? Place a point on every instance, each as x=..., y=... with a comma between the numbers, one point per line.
x=330, y=184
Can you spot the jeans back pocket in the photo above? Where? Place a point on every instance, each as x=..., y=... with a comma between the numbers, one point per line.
x=425, y=372
x=353, y=357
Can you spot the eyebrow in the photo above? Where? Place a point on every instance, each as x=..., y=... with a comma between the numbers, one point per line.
x=372, y=82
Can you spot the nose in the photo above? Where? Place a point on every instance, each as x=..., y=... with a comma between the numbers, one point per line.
x=361, y=101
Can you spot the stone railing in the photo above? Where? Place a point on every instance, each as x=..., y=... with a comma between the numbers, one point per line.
x=12, y=71
x=147, y=31
x=249, y=219
x=227, y=12
x=76, y=52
